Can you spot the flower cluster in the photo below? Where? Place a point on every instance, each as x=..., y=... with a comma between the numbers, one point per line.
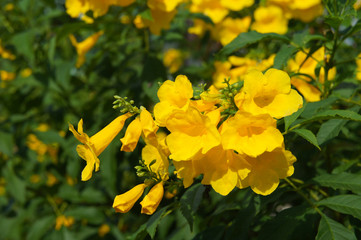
x=226, y=135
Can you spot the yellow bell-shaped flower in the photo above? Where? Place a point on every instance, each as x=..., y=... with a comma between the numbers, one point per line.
x=96, y=144
x=152, y=199
x=124, y=202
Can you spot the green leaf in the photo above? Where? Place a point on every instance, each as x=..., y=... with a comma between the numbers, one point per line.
x=15, y=185
x=332, y=230
x=337, y=114
x=154, y=220
x=332, y=128
x=290, y=119
x=314, y=107
x=6, y=143
x=333, y=21
x=93, y=215
x=190, y=202
x=247, y=38
x=147, y=15
x=308, y=135
x=345, y=181
x=347, y=204
x=283, y=55
x=40, y=227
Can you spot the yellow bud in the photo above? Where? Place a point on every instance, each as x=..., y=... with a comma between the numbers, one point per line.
x=152, y=199
x=124, y=202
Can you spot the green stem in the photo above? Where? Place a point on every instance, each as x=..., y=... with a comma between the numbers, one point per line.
x=296, y=189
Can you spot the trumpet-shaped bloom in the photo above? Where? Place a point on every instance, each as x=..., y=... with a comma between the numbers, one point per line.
x=5, y=53
x=267, y=169
x=83, y=47
x=211, y=8
x=308, y=91
x=159, y=153
x=92, y=147
x=151, y=201
x=307, y=64
x=63, y=221
x=269, y=93
x=76, y=8
x=230, y=28
x=173, y=96
x=144, y=123
x=163, y=5
x=251, y=134
x=270, y=19
x=124, y=202
x=160, y=20
x=132, y=135
x=236, y=5
x=191, y=132
x=222, y=169
x=173, y=59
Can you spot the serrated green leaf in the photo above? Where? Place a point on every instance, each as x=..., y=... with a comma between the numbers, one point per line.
x=330, y=129
x=308, y=135
x=154, y=220
x=347, y=204
x=334, y=114
x=346, y=181
x=247, y=38
x=290, y=119
x=314, y=107
x=190, y=201
x=332, y=230
x=283, y=55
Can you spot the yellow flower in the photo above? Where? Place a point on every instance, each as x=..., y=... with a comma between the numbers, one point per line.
x=357, y=5
x=269, y=93
x=211, y=8
x=305, y=10
x=36, y=145
x=63, y=221
x=236, y=5
x=26, y=72
x=123, y=3
x=230, y=28
x=163, y=5
x=151, y=201
x=124, y=202
x=172, y=96
x=96, y=144
x=5, y=53
x=267, y=169
x=51, y=179
x=308, y=91
x=173, y=59
x=251, y=134
x=307, y=65
x=83, y=47
x=9, y=7
x=35, y=178
x=160, y=20
x=139, y=22
x=222, y=169
x=144, y=123
x=270, y=19
x=131, y=137
x=103, y=230
x=158, y=153
x=199, y=27
x=191, y=132
x=358, y=64
x=223, y=71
